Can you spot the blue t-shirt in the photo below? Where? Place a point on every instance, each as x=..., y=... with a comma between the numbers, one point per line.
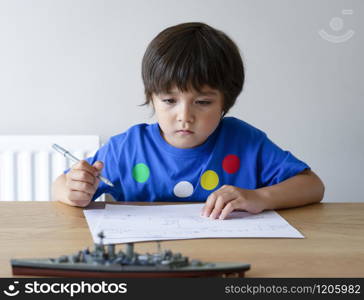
x=144, y=167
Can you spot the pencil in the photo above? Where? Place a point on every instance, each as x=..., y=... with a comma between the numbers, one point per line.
x=68, y=155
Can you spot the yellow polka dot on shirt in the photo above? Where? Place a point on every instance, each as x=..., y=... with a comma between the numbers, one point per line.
x=209, y=180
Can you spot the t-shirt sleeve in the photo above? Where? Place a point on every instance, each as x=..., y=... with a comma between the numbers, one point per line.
x=276, y=165
x=105, y=154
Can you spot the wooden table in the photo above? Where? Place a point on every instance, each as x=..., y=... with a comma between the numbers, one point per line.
x=333, y=245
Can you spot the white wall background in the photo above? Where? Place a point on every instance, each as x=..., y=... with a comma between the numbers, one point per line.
x=73, y=67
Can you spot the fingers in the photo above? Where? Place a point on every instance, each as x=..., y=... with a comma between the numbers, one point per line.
x=222, y=200
x=77, y=198
x=82, y=176
x=82, y=186
x=209, y=205
x=229, y=207
x=82, y=182
x=86, y=167
x=216, y=202
x=83, y=171
x=98, y=165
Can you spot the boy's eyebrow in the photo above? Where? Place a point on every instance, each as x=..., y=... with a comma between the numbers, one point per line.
x=206, y=93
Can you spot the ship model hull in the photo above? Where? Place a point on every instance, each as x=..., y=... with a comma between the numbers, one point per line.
x=104, y=261
x=45, y=268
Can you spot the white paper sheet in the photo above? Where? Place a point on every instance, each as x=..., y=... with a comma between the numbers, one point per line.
x=93, y=217
x=133, y=223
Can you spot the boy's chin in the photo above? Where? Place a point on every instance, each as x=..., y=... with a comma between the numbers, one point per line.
x=183, y=142
x=187, y=144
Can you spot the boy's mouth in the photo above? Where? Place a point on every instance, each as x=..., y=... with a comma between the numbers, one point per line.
x=184, y=132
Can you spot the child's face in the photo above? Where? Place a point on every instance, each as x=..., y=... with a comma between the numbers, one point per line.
x=188, y=118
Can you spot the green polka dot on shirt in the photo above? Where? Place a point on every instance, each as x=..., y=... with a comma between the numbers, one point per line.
x=141, y=172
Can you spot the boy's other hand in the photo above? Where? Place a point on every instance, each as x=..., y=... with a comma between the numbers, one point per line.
x=229, y=198
x=82, y=182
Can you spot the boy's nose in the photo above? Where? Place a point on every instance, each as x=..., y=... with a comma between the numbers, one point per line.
x=185, y=114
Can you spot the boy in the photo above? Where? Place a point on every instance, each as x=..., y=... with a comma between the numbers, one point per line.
x=192, y=75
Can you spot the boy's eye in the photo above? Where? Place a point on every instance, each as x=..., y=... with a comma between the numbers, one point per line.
x=203, y=102
x=169, y=101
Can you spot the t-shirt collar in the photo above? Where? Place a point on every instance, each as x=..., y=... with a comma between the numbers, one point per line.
x=206, y=147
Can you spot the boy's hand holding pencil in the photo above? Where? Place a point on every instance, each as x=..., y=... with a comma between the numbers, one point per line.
x=82, y=181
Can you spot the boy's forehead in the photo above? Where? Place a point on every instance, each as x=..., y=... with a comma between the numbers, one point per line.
x=205, y=90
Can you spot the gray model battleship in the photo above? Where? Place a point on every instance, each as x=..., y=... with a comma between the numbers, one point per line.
x=103, y=261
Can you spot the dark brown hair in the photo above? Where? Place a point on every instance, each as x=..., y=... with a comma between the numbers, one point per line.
x=193, y=55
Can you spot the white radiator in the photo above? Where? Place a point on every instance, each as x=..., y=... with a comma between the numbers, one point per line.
x=28, y=164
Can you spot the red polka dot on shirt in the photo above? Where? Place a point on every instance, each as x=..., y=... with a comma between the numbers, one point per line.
x=231, y=163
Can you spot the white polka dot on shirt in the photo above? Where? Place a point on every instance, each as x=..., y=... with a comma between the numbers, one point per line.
x=183, y=189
